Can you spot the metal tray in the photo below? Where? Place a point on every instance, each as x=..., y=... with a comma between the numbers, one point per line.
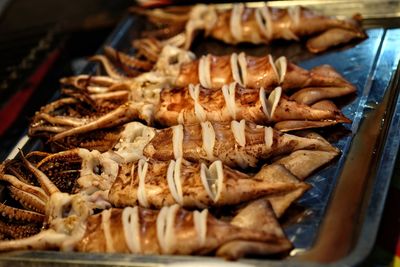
x=337, y=220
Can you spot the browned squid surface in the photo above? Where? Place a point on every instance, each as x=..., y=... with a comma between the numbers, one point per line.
x=195, y=103
x=259, y=72
x=105, y=179
x=196, y=185
x=111, y=179
x=153, y=183
x=183, y=235
x=241, y=24
x=171, y=230
x=244, y=146
x=212, y=71
x=95, y=103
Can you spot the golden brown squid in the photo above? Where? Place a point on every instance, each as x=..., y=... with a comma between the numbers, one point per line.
x=234, y=143
x=188, y=105
x=171, y=230
x=213, y=72
x=233, y=102
x=257, y=25
x=70, y=223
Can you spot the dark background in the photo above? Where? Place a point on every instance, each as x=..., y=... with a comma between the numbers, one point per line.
x=40, y=42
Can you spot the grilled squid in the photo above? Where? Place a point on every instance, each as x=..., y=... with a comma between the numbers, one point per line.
x=235, y=143
x=256, y=72
x=171, y=230
x=70, y=224
x=112, y=180
x=197, y=104
x=100, y=102
x=198, y=185
x=233, y=102
x=261, y=25
x=179, y=69
x=109, y=181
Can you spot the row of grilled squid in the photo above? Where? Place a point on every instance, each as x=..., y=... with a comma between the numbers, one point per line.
x=63, y=190
x=192, y=166
x=209, y=169
x=244, y=24
x=213, y=88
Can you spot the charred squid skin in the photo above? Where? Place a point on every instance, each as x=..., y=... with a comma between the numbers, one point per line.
x=189, y=184
x=171, y=230
x=239, y=144
x=102, y=103
x=12, y=213
x=245, y=70
x=38, y=197
x=127, y=60
x=262, y=25
x=236, y=147
x=213, y=72
x=62, y=168
x=234, y=102
x=195, y=185
x=11, y=230
x=115, y=118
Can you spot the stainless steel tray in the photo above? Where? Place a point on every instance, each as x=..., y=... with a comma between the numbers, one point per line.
x=337, y=220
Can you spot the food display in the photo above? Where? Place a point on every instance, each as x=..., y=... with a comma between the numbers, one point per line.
x=257, y=89
x=168, y=152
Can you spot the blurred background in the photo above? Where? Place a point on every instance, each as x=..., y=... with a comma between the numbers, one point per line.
x=40, y=42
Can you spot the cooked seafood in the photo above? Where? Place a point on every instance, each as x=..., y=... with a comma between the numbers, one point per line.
x=188, y=105
x=195, y=185
x=260, y=25
x=234, y=143
x=171, y=230
x=101, y=102
x=219, y=109
x=111, y=180
x=233, y=102
x=72, y=226
x=97, y=102
x=180, y=68
x=257, y=72
x=152, y=183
